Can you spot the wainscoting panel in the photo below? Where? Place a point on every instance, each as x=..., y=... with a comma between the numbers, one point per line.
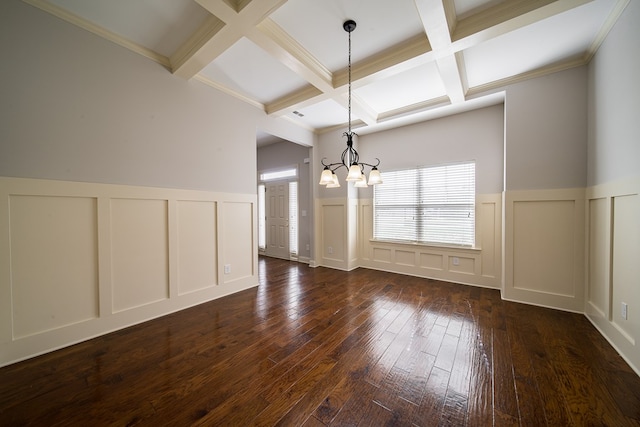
x=463, y=264
x=197, y=256
x=489, y=219
x=598, y=285
x=54, y=262
x=382, y=255
x=407, y=258
x=613, y=250
x=352, y=242
x=480, y=265
x=139, y=248
x=365, y=230
x=545, y=248
x=79, y=260
x=238, y=230
x=626, y=264
x=334, y=239
x=431, y=261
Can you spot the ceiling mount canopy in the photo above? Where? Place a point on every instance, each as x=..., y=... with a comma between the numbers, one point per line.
x=350, y=158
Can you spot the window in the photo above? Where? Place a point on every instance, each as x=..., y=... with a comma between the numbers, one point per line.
x=293, y=218
x=262, y=217
x=427, y=205
x=279, y=174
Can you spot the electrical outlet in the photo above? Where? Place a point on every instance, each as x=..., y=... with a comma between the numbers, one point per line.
x=330, y=249
x=623, y=310
x=307, y=246
x=455, y=260
x=227, y=269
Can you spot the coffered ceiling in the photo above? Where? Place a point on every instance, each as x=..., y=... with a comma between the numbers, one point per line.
x=410, y=58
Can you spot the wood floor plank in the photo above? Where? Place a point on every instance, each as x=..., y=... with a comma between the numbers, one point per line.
x=322, y=347
x=429, y=411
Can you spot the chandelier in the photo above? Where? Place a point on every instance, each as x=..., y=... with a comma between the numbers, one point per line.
x=350, y=159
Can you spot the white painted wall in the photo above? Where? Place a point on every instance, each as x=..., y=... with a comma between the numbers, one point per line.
x=613, y=192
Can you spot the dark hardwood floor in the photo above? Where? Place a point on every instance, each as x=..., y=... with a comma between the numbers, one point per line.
x=318, y=347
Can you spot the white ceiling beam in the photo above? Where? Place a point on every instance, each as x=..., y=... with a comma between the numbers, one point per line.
x=274, y=40
x=406, y=55
x=219, y=34
x=437, y=22
x=506, y=17
x=451, y=76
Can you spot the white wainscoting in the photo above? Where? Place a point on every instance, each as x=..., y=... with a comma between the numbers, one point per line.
x=544, y=248
x=480, y=266
x=78, y=260
x=332, y=242
x=613, y=264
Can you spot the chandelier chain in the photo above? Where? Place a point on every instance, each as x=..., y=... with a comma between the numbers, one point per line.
x=349, y=71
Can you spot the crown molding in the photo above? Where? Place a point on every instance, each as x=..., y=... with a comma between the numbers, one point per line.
x=195, y=42
x=506, y=17
x=540, y=72
x=307, y=95
x=413, y=108
x=228, y=91
x=606, y=27
x=99, y=31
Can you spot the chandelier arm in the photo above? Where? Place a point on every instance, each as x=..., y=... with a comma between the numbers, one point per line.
x=371, y=165
x=330, y=166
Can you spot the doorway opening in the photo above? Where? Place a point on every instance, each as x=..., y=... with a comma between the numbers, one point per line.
x=278, y=214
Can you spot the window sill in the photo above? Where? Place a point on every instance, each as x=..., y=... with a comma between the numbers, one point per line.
x=441, y=246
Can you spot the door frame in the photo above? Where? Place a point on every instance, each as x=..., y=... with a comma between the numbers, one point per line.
x=294, y=177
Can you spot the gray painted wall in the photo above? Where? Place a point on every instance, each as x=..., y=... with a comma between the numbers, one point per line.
x=546, y=132
x=474, y=135
x=79, y=108
x=614, y=102
x=285, y=154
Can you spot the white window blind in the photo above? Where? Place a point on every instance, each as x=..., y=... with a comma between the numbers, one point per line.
x=427, y=205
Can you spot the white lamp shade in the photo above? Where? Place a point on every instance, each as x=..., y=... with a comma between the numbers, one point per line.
x=362, y=182
x=374, y=177
x=326, y=177
x=354, y=172
x=335, y=183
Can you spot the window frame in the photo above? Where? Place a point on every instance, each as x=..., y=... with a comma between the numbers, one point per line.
x=415, y=211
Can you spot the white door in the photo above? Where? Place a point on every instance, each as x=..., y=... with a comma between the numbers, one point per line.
x=277, y=206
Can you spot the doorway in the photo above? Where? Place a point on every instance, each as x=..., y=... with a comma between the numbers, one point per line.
x=277, y=221
x=278, y=218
